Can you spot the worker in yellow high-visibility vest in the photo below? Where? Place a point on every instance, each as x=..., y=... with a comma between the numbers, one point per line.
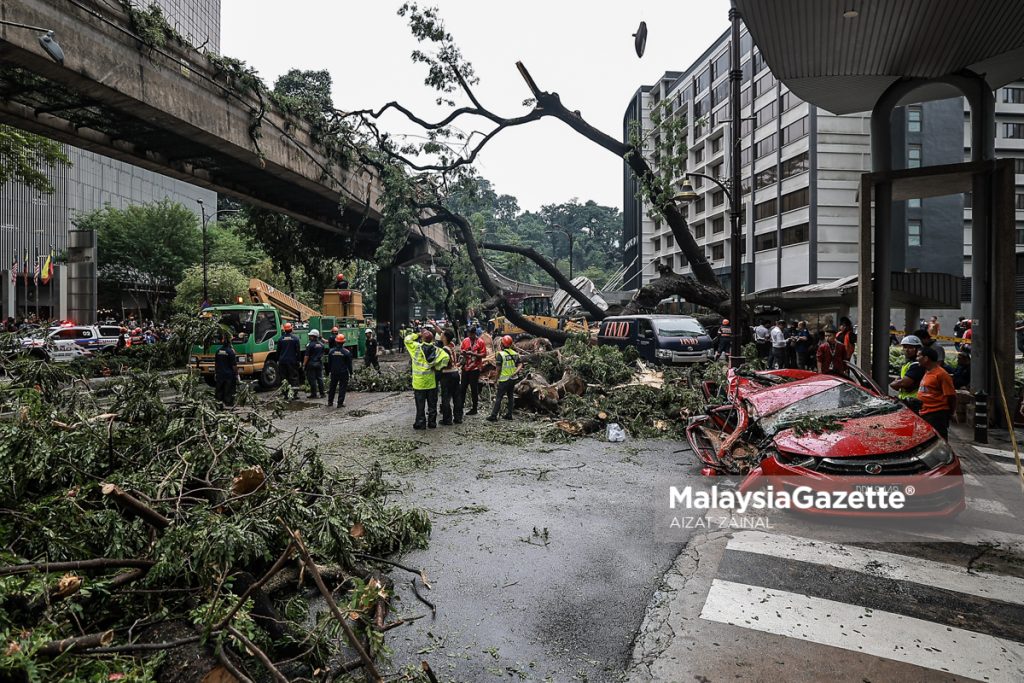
x=508, y=366
x=426, y=360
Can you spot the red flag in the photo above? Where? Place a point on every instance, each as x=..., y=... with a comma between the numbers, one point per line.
x=14, y=269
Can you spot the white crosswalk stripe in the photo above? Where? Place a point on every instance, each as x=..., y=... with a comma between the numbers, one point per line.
x=997, y=452
x=1008, y=466
x=776, y=603
x=993, y=507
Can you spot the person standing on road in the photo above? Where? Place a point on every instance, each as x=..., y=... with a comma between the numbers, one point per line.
x=936, y=393
x=910, y=373
x=802, y=346
x=451, y=406
x=724, y=340
x=372, y=349
x=331, y=339
x=831, y=355
x=846, y=336
x=339, y=365
x=288, y=362
x=762, y=341
x=474, y=350
x=779, y=345
x=314, y=365
x=225, y=372
x=426, y=359
x=508, y=362
x=934, y=328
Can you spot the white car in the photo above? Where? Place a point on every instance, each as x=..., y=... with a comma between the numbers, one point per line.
x=44, y=347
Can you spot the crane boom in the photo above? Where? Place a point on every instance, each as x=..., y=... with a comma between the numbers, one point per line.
x=263, y=293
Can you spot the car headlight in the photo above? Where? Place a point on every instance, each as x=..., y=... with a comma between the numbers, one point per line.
x=243, y=359
x=796, y=460
x=662, y=353
x=936, y=455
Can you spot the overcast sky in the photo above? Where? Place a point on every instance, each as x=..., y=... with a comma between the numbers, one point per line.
x=582, y=50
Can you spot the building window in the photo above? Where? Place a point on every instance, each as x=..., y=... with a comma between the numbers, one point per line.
x=765, y=178
x=1013, y=95
x=968, y=198
x=698, y=181
x=699, y=230
x=766, y=209
x=700, y=107
x=720, y=66
x=795, y=234
x=766, y=146
x=718, y=225
x=913, y=119
x=795, y=131
x=657, y=244
x=720, y=93
x=766, y=113
x=746, y=42
x=758, y=60
x=698, y=206
x=765, y=242
x=1020, y=201
x=745, y=155
x=717, y=198
x=716, y=145
x=745, y=93
x=715, y=171
x=795, y=200
x=913, y=233
x=764, y=84
x=1018, y=166
x=1020, y=237
x=702, y=82
x=789, y=100
x=669, y=241
x=718, y=252
x=745, y=185
x=795, y=165
x=914, y=203
x=1013, y=130
x=913, y=156
x=682, y=261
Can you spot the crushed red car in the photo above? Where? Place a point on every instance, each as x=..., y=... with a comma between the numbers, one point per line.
x=797, y=428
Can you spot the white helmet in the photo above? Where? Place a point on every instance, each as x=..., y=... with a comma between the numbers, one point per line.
x=314, y=333
x=911, y=340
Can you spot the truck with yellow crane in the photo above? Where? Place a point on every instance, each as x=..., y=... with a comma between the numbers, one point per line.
x=257, y=321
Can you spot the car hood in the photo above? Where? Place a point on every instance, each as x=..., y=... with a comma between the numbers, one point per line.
x=863, y=436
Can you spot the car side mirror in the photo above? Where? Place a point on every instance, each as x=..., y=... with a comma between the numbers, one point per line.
x=649, y=334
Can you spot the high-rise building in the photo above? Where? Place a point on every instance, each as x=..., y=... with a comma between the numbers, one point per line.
x=800, y=176
x=32, y=222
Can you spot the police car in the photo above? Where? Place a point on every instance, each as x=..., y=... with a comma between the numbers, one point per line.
x=41, y=345
x=93, y=338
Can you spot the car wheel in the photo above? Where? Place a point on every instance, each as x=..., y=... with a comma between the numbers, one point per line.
x=269, y=375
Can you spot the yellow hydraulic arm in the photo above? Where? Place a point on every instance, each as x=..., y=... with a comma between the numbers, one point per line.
x=262, y=293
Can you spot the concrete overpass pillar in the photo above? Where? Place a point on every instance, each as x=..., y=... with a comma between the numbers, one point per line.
x=81, y=276
x=392, y=297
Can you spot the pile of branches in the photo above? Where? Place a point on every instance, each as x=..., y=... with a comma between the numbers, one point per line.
x=147, y=535
x=617, y=387
x=388, y=379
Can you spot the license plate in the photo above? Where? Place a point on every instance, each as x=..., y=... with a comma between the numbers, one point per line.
x=880, y=488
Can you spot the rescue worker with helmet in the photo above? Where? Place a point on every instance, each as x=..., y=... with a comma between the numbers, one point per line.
x=509, y=365
x=724, y=340
x=288, y=362
x=332, y=339
x=340, y=282
x=339, y=365
x=910, y=373
x=225, y=372
x=427, y=359
x=372, y=349
x=314, y=365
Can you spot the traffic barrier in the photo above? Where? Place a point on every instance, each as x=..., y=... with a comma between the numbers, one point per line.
x=981, y=417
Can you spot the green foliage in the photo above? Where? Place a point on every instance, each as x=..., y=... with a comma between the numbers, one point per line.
x=25, y=157
x=225, y=283
x=447, y=63
x=603, y=365
x=664, y=149
x=150, y=25
x=389, y=379
x=180, y=457
x=147, y=246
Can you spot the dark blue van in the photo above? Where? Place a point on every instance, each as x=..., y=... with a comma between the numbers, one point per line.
x=663, y=339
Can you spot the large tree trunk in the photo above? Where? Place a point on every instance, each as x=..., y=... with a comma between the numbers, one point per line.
x=563, y=282
x=465, y=231
x=671, y=284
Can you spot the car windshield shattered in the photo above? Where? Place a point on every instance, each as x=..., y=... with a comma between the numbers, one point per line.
x=679, y=328
x=841, y=402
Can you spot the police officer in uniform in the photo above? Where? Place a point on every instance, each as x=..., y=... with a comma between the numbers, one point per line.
x=288, y=362
x=225, y=372
x=509, y=364
x=314, y=365
x=339, y=365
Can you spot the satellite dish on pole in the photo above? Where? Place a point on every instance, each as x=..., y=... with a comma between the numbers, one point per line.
x=640, y=39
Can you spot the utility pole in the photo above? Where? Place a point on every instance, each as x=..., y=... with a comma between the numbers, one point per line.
x=736, y=197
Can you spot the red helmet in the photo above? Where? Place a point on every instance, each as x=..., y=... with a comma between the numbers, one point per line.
x=340, y=338
x=427, y=335
x=725, y=321
x=287, y=327
x=334, y=329
x=341, y=276
x=506, y=341
x=137, y=330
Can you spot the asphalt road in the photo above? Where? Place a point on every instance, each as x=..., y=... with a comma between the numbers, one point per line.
x=542, y=557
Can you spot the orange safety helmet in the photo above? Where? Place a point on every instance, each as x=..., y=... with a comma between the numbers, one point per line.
x=340, y=338
x=138, y=330
x=506, y=341
x=341, y=276
x=427, y=335
x=287, y=327
x=725, y=321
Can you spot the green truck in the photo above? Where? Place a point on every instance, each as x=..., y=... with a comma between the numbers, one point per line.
x=257, y=326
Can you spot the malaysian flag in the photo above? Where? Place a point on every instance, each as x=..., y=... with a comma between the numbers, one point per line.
x=36, y=270
x=14, y=268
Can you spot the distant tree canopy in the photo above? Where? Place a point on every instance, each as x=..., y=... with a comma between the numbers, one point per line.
x=25, y=158
x=224, y=283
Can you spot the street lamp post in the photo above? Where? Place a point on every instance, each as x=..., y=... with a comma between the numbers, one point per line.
x=558, y=228
x=687, y=194
x=47, y=40
x=206, y=220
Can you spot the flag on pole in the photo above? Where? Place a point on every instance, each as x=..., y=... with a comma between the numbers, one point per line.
x=36, y=270
x=14, y=268
x=48, y=268
x=24, y=267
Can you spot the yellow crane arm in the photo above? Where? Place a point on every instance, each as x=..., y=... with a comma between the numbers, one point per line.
x=262, y=293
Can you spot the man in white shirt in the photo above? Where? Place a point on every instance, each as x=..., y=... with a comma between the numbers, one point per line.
x=779, y=346
x=761, y=341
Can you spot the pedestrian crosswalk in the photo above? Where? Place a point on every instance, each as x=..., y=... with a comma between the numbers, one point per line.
x=943, y=616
